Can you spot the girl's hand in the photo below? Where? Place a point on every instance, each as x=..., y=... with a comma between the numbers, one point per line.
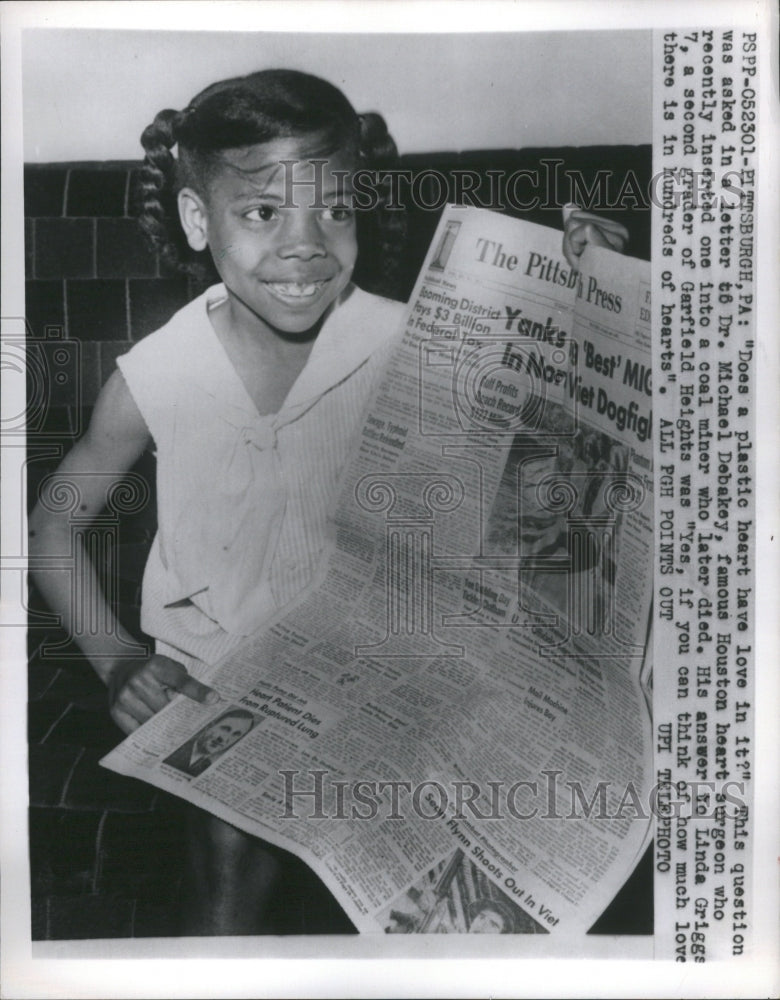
x=136, y=691
x=582, y=228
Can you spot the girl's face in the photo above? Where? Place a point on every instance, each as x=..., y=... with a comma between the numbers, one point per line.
x=282, y=234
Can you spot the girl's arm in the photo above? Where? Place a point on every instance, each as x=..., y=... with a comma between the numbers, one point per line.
x=137, y=686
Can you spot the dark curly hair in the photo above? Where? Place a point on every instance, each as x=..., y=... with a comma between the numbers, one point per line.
x=258, y=108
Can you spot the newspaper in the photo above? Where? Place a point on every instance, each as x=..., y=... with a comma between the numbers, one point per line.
x=453, y=714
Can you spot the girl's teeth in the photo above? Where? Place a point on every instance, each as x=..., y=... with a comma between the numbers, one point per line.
x=297, y=291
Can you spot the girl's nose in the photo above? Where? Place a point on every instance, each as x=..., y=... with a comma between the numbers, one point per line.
x=302, y=236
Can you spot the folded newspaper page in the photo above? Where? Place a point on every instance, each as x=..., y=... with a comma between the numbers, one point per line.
x=451, y=725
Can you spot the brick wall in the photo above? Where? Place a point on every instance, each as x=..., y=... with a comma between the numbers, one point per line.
x=105, y=851
x=89, y=270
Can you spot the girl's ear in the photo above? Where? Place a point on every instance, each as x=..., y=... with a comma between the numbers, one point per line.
x=194, y=218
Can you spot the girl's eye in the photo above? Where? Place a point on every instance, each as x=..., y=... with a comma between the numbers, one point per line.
x=261, y=213
x=338, y=213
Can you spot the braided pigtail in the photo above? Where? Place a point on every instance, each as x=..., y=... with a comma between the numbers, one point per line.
x=377, y=146
x=157, y=185
x=382, y=231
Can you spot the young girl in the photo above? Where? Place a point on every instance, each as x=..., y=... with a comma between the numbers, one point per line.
x=250, y=396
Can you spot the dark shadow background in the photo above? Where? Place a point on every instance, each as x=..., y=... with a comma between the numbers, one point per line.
x=105, y=851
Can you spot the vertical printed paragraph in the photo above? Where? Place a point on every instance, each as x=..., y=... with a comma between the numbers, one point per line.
x=705, y=175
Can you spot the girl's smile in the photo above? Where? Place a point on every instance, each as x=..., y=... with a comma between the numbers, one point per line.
x=282, y=233
x=290, y=292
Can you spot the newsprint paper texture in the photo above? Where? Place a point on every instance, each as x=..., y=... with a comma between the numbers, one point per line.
x=543, y=640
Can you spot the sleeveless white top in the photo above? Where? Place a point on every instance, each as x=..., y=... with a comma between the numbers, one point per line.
x=243, y=499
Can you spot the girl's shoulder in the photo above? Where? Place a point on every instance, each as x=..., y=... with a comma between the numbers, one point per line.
x=374, y=306
x=177, y=338
x=369, y=320
x=164, y=368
